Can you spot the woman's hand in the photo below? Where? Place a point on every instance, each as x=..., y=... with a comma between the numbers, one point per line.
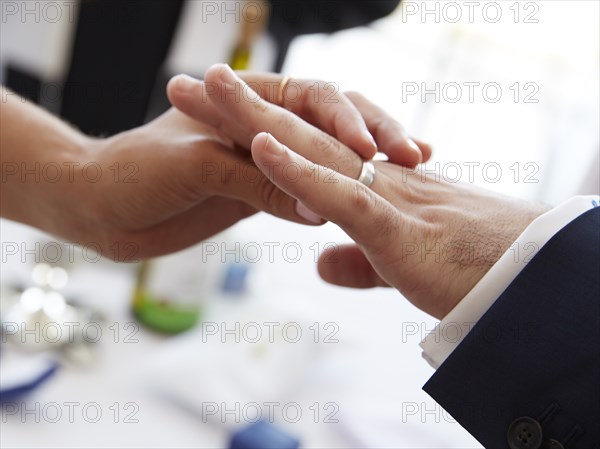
x=233, y=106
x=227, y=101
x=162, y=189
x=430, y=239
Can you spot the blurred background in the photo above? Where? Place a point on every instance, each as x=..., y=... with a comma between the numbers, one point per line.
x=192, y=349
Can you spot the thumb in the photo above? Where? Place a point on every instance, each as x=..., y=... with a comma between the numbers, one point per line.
x=347, y=266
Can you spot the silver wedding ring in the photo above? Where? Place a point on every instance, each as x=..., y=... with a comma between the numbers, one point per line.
x=367, y=173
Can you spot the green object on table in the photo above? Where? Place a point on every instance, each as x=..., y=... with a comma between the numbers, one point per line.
x=162, y=315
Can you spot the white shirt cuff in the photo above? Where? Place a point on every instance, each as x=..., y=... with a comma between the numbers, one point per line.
x=450, y=332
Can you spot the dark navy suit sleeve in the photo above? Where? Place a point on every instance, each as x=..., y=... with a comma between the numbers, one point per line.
x=528, y=374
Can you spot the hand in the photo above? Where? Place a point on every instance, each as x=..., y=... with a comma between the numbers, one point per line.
x=165, y=186
x=171, y=183
x=227, y=102
x=157, y=192
x=162, y=186
x=430, y=239
x=192, y=187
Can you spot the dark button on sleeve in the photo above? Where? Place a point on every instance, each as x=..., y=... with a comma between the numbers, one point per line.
x=524, y=433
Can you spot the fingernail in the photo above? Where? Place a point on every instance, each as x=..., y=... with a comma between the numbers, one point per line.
x=274, y=147
x=370, y=137
x=227, y=75
x=185, y=83
x=415, y=147
x=307, y=214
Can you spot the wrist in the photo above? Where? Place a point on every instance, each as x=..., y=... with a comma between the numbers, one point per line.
x=59, y=192
x=41, y=166
x=499, y=237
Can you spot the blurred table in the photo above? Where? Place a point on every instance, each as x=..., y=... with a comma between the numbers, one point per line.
x=377, y=390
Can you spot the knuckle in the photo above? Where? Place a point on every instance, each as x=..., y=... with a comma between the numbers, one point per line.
x=414, y=191
x=260, y=106
x=328, y=151
x=286, y=122
x=385, y=222
x=324, y=144
x=254, y=121
x=361, y=199
x=252, y=116
x=431, y=214
x=278, y=122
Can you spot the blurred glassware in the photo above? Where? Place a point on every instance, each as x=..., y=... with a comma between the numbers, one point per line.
x=170, y=290
x=36, y=315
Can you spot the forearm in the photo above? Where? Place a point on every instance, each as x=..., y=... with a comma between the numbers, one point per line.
x=39, y=155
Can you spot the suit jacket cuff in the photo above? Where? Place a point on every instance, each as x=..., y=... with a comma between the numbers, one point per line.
x=450, y=332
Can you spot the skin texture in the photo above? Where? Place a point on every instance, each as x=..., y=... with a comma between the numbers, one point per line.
x=181, y=178
x=229, y=104
x=190, y=174
x=430, y=239
x=225, y=101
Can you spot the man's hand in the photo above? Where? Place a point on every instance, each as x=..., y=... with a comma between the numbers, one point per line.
x=232, y=105
x=430, y=239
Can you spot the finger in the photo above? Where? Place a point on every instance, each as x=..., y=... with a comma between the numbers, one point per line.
x=365, y=216
x=426, y=148
x=390, y=135
x=189, y=96
x=242, y=105
x=206, y=168
x=232, y=107
x=347, y=266
x=320, y=103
